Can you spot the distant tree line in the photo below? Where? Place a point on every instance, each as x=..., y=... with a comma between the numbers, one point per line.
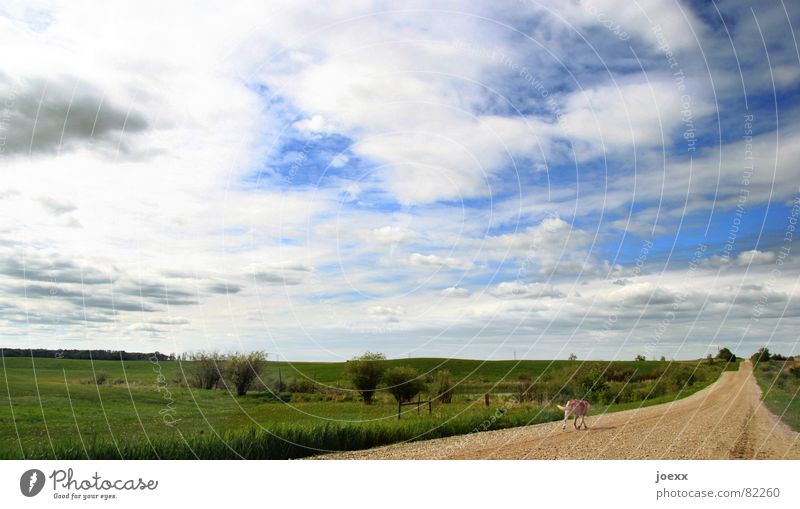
x=97, y=355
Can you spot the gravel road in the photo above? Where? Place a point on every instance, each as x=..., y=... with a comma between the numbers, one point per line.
x=723, y=421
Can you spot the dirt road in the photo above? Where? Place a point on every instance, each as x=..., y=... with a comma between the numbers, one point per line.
x=724, y=421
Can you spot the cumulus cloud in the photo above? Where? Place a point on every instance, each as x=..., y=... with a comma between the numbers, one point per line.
x=433, y=260
x=518, y=290
x=333, y=155
x=32, y=266
x=224, y=288
x=748, y=258
x=755, y=257
x=552, y=246
x=48, y=116
x=56, y=207
x=456, y=292
x=392, y=235
x=387, y=313
x=282, y=273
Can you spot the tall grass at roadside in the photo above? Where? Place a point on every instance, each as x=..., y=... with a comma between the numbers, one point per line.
x=298, y=441
x=780, y=386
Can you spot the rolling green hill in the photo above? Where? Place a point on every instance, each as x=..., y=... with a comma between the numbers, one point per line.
x=52, y=408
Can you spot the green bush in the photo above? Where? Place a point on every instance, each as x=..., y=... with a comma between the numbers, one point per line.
x=365, y=373
x=301, y=385
x=205, y=370
x=726, y=355
x=403, y=383
x=761, y=355
x=242, y=369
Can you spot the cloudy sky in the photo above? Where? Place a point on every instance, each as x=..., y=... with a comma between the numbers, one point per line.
x=529, y=178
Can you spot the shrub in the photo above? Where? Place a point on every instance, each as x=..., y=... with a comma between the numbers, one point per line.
x=761, y=355
x=591, y=382
x=365, y=373
x=523, y=388
x=241, y=370
x=403, y=383
x=100, y=378
x=619, y=373
x=444, y=386
x=205, y=371
x=302, y=385
x=726, y=355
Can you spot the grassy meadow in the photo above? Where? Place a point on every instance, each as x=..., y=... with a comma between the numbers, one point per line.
x=780, y=387
x=54, y=408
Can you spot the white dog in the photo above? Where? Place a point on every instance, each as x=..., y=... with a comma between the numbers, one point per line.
x=579, y=407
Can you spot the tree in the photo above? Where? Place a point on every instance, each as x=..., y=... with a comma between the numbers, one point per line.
x=709, y=359
x=761, y=355
x=241, y=370
x=663, y=359
x=365, y=373
x=640, y=358
x=205, y=370
x=403, y=383
x=444, y=386
x=572, y=357
x=726, y=355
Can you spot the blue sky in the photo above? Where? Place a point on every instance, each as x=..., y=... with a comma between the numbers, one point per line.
x=439, y=180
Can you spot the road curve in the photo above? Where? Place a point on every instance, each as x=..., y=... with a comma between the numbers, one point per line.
x=723, y=421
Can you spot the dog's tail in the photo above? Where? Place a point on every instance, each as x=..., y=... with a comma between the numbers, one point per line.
x=561, y=407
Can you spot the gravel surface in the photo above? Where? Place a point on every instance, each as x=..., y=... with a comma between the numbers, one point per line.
x=723, y=421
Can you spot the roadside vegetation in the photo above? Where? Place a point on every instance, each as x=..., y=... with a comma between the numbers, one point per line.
x=779, y=380
x=210, y=405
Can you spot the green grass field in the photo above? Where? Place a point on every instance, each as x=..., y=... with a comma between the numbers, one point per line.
x=780, y=388
x=50, y=409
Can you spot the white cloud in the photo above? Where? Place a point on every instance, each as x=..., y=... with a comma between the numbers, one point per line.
x=315, y=124
x=517, y=290
x=392, y=235
x=456, y=292
x=432, y=260
x=339, y=161
x=755, y=257
x=165, y=178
